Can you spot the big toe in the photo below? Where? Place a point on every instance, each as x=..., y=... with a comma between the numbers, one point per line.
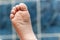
x=23, y=7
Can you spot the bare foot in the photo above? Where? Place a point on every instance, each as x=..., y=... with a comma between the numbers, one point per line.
x=20, y=18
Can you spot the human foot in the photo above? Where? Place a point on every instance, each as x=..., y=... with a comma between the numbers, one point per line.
x=20, y=18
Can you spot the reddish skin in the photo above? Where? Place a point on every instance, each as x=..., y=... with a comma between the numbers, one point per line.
x=20, y=19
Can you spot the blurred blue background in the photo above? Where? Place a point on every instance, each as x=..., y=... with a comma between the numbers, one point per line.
x=48, y=19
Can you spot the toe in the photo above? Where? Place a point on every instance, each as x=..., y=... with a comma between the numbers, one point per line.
x=13, y=11
x=17, y=8
x=23, y=7
x=14, y=8
x=11, y=16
